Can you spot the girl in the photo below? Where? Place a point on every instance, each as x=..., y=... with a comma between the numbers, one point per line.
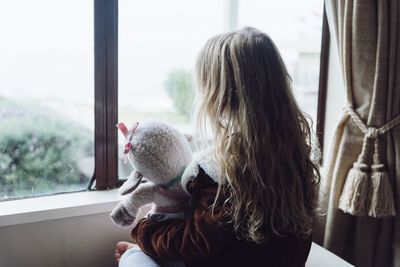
x=261, y=213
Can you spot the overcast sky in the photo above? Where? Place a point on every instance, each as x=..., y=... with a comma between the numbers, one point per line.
x=46, y=48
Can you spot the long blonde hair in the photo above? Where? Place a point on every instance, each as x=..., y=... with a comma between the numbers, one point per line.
x=262, y=139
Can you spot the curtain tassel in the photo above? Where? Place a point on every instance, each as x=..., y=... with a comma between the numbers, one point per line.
x=382, y=201
x=359, y=196
x=354, y=197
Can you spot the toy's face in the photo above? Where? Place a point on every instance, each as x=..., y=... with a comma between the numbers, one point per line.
x=158, y=151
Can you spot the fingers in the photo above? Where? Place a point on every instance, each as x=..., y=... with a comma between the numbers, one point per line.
x=120, y=248
x=117, y=256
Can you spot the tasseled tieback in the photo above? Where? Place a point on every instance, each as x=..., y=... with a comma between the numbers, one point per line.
x=367, y=189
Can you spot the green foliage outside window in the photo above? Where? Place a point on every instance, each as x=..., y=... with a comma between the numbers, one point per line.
x=43, y=153
x=179, y=85
x=39, y=152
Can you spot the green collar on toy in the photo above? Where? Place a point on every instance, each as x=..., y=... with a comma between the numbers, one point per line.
x=172, y=183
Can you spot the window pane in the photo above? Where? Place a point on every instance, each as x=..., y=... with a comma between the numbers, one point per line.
x=160, y=40
x=158, y=45
x=46, y=96
x=296, y=28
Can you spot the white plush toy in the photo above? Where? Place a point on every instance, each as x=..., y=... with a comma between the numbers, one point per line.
x=159, y=154
x=202, y=161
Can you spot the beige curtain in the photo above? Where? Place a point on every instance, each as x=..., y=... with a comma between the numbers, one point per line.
x=366, y=34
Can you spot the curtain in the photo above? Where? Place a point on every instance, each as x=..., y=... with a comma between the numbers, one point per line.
x=366, y=35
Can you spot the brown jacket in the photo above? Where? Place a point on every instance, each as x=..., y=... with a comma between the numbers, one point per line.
x=203, y=240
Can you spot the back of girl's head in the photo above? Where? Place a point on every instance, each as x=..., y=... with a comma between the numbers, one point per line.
x=262, y=138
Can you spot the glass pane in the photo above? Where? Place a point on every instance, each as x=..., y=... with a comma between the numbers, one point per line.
x=158, y=45
x=296, y=28
x=46, y=97
x=160, y=40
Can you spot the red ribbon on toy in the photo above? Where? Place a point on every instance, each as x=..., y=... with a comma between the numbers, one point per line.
x=127, y=147
x=128, y=134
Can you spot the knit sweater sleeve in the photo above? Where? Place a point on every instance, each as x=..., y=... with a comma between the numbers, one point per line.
x=196, y=238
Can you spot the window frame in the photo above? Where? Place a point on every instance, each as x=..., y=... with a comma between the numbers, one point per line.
x=106, y=93
x=323, y=83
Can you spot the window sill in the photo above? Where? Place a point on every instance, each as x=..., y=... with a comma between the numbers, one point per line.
x=47, y=208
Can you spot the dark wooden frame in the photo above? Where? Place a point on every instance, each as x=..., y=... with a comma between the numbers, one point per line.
x=323, y=82
x=106, y=94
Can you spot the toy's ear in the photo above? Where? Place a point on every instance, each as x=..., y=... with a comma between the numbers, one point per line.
x=188, y=137
x=122, y=127
x=131, y=184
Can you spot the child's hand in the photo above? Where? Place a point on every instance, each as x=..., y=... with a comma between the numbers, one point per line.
x=120, y=249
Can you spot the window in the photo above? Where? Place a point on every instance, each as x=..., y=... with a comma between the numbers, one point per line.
x=46, y=97
x=159, y=42
x=60, y=99
x=155, y=78
x=296, y=29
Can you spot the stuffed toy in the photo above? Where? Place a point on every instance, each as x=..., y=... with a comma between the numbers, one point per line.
x=159, y=155
x=202, y=162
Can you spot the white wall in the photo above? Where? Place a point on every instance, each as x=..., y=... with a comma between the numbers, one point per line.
x=83, y=241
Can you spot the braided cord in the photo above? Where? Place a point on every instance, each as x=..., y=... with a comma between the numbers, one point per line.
x=390, y=125
x=371, y=131
x=356, y=118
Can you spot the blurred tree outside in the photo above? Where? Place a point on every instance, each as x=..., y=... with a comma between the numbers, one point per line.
x=179, y=85
x=40, y=153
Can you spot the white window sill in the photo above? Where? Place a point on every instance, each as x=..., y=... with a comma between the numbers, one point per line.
x=46, y=208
